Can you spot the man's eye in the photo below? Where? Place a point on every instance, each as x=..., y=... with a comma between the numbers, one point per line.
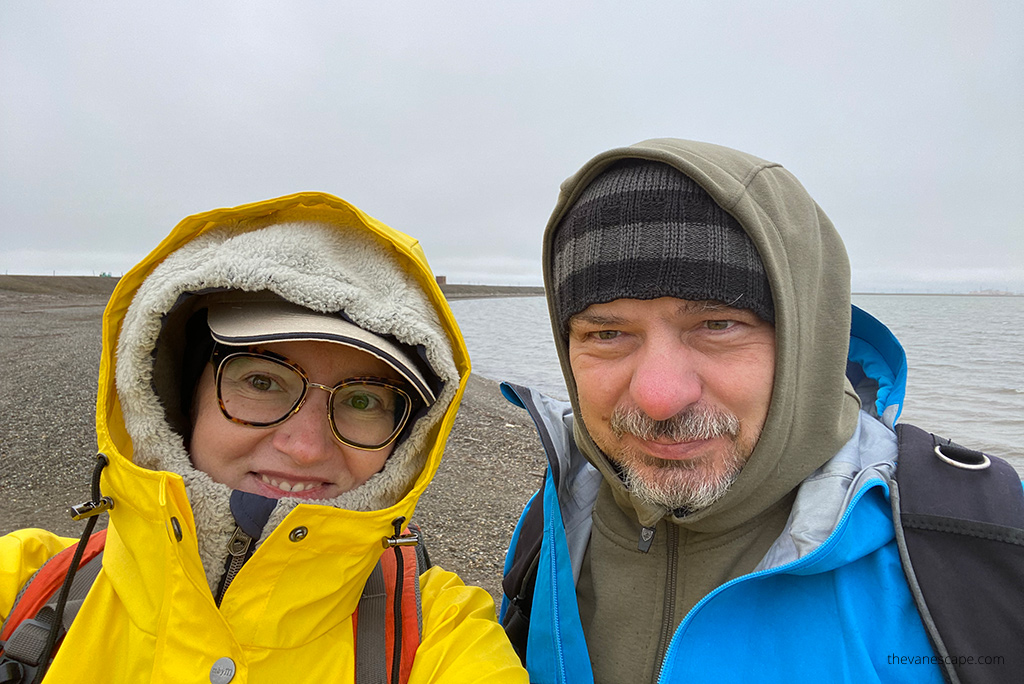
x=719, y=325
x=607, y=334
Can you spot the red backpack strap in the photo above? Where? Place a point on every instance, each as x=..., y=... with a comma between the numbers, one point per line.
x=47, y=581
x=390, y=613
x=401, y=576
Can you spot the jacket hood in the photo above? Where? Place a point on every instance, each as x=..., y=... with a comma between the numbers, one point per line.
x=314, y=250
x=813, y=408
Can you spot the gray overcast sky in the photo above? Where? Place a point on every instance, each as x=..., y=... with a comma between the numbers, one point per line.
x=455, y=121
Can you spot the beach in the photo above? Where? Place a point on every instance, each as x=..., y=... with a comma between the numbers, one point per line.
x=49, y=350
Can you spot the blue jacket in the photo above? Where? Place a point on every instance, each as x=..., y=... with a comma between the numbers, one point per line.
x=829, y=601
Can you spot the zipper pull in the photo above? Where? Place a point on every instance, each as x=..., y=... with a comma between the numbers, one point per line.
x=646, y=539
x=238, y=547
x=239, y=542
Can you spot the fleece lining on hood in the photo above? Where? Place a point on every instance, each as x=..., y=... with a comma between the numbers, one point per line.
x=318, y=257
x=813, y=407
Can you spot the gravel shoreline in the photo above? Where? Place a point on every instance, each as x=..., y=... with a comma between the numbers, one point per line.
x=49, y=350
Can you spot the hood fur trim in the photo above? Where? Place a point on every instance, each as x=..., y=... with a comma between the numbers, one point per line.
x=324, y=267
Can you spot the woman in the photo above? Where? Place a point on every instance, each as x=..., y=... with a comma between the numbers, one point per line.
x=276, y=386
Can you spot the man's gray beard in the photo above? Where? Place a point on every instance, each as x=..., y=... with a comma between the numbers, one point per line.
x=690, y=485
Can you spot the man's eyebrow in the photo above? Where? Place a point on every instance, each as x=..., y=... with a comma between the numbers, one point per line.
x=596, y=319
x=690, y=306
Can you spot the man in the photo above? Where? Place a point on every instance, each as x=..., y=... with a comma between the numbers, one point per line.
x=717, y=503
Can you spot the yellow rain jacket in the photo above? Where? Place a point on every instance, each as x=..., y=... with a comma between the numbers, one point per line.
x=287, y=616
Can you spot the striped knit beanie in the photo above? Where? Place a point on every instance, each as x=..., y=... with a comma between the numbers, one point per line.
x=643, y=230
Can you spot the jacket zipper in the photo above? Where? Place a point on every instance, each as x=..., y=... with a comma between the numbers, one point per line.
x=238, y=548
x=646, y=539
x=823, y=549
x=667, y=617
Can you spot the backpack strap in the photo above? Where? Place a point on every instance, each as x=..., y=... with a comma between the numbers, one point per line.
x=959, y=520
x=370, y=619
x=390, y=613
x=521, y=578
x=24, y=634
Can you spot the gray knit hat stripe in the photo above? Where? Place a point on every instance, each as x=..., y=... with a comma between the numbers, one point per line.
x=649, y=242
x=633, y=279
x=648, y=182
x=643, y=230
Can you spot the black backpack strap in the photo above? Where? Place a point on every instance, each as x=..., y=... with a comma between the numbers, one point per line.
x=521, y=578
x=959, y=519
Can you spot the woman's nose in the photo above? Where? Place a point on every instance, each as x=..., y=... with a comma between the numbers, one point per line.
x=306, y=437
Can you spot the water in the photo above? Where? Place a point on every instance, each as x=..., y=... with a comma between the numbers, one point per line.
x=509, y=338
x=965, y=358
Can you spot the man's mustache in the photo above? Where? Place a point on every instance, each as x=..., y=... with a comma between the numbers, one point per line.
x=697, y=422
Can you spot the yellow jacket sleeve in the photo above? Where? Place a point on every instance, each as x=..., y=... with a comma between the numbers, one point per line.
x=462, y=640
x=22, y=553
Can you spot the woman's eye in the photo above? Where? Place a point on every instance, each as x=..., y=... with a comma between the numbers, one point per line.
x=262, y=383
x=363, y=401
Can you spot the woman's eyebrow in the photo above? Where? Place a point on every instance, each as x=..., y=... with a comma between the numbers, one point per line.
x=256, y=349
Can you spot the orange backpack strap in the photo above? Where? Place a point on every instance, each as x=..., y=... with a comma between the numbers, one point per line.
x=28, y=633
x=390, y=612
x=43, y=585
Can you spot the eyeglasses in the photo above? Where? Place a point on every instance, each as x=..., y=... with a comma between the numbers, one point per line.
x=264, y=390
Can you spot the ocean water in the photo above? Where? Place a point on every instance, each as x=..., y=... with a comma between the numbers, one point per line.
x=965, y=366
x=509, y=338
x=965, y=359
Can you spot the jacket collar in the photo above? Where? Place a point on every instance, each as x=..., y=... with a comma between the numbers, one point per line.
x=314, y=578
x=849, y=491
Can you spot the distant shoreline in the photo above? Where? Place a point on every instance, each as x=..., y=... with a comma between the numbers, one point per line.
x=480, y=291
x=104, y=285
x=942, y=294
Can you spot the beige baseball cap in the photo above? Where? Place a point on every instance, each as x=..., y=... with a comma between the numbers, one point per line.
x=240, y=319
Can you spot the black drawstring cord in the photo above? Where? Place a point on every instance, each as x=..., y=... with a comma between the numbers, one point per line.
x=90, y=510
x=396, y=655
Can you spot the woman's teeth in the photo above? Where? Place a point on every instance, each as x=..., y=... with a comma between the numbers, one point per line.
x=285, y=486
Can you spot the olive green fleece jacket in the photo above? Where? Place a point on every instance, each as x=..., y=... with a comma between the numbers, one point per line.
x=630, y=601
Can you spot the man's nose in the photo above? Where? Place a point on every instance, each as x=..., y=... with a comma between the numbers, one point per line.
x=666, y=378
x=307, y=437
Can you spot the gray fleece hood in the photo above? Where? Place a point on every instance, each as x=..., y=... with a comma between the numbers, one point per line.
x=813, y=407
